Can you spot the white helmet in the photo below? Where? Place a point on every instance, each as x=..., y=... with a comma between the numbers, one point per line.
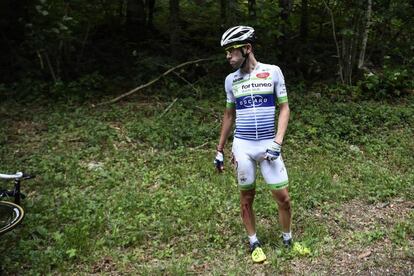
x=238, y=34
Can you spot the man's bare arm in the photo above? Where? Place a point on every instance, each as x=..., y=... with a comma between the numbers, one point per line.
x=284, y=114
x=226, y=127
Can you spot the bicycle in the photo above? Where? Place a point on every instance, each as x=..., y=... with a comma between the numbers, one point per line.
x=11, y=213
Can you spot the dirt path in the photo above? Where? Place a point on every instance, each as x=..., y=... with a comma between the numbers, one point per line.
x=364, y=240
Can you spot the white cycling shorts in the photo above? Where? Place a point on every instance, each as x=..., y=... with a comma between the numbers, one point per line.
x=247, y=154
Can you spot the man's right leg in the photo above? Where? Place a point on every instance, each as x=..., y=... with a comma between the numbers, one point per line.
x=246, y=174
x=249, y=221
x=247, y=212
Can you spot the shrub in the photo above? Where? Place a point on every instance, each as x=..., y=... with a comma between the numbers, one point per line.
x=389, y=83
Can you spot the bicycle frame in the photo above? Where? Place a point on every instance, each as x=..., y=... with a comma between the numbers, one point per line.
x=12, y=213
x=15, y=193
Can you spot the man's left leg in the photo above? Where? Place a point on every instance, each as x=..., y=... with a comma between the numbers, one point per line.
x=246, y=176
x=275, y=174
x=285, y=213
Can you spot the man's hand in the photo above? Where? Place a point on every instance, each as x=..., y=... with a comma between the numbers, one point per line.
x=273, y=152
x=219, y=161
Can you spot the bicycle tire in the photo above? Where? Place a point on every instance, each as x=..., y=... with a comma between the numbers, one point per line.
x=11, y=215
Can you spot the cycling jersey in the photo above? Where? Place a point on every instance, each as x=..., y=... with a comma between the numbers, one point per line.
x=254, y=96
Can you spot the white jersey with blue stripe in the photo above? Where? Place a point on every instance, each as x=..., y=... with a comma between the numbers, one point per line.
x=254, y=95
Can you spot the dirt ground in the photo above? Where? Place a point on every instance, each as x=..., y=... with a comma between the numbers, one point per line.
x=363, y=240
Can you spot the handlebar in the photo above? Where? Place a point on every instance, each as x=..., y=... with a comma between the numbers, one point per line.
x=16, y=176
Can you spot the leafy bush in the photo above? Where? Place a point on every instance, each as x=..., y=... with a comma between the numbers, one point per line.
x=389, y=83
x=80, y=89
x=339, y=118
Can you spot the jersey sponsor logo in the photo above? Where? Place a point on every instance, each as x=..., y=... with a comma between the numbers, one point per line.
x=256, y=85
x=254, y=101
x=237, y=79
x=263, y=75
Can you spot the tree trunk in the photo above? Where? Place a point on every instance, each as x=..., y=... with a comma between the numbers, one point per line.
x=252, y=9
x=286, y=7
x=304, y=20
x=338, y=49
x=351, y=53
x=121, y=14
x=150, y=9
x=361, y=59
x=135, y=18
x=175, y=27
x=223, y=14
x=12, y=35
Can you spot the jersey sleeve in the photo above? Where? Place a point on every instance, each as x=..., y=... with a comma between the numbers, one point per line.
x=230, y=99
x=280, y=87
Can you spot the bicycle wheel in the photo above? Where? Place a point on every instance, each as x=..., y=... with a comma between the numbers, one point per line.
x=11, y=215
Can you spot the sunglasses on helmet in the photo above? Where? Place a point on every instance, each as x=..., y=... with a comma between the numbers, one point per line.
x=228, y=50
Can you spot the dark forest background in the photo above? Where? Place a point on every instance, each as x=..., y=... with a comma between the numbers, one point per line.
x=55, y=47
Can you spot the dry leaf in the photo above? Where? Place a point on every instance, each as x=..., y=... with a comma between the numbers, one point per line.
x=365, y=254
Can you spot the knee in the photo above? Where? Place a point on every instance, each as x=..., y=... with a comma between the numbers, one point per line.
x=247, y=198
x=247, y=195
x=246, y=204
x=283, y=201
x=285, y=204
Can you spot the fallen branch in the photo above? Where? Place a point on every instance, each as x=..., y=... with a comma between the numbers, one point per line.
x=200, y=146
x=153, y=81
x=168, y=108
x=189, y=83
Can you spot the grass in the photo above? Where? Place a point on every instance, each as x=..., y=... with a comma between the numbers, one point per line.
x=126, y=188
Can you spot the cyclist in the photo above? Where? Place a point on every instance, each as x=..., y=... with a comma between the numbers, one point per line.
x=253, y=91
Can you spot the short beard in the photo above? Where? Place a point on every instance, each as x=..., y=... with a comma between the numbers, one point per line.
x=237, y=65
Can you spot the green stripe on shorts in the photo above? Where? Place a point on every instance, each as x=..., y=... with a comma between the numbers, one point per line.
x=279, y=186
x=247, y=187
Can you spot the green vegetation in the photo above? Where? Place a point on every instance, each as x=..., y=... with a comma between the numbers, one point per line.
x=132, y=189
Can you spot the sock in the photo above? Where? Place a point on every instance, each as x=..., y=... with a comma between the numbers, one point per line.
x=253, y=239
x=287, y=236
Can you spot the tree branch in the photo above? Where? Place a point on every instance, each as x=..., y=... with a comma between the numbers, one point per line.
x=168, y=108
x=341, y=74
x=189, y=83
x=153, y=81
